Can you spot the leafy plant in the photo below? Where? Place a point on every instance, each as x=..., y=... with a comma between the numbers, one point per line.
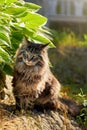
x=81, y=97
x=19, y=19
x=82, y=117
x=70, y=38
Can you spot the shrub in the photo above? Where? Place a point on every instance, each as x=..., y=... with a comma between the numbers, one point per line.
x=18, y=19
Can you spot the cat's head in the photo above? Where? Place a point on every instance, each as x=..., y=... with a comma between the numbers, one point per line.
x=34, y=54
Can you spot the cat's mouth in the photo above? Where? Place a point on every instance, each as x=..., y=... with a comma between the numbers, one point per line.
x=29, y=63
x=35, y=63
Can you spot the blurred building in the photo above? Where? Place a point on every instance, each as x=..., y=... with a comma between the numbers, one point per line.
x=64, y=13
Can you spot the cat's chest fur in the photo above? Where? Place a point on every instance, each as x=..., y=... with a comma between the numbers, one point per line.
x=31, y=83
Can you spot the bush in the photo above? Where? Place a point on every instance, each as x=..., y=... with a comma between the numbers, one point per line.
x=70, y=58
x=19, y=19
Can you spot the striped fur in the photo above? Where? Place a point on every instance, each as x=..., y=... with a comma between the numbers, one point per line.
x=33, y=82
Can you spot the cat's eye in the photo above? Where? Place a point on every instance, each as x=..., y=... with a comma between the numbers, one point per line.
x=33, y=58
x=40, y=57
x=25, y=55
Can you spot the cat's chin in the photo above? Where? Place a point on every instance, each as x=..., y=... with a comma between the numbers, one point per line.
x=37, y=69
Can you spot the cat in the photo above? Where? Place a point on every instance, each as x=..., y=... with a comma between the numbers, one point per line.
x=33, y=82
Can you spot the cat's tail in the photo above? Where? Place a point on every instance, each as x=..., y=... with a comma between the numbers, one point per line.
x=72, y=107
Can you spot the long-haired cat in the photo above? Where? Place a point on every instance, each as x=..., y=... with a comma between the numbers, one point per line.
x=33, y=82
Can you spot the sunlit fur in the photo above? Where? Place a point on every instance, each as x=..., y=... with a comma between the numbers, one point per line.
x=33, y=82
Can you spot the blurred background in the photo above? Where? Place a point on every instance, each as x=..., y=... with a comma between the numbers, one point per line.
x=67, y=20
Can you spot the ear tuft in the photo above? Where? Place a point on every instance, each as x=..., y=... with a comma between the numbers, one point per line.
x=25, y=41
x=43, y=46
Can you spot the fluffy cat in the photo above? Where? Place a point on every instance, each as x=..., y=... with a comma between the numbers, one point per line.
x=33, y=82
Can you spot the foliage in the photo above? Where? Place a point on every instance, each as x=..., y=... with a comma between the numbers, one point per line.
x=81, y=97
x=69, y=65
x=69, y=60
x=68, y=38
x=82, y=117
x=19, y=19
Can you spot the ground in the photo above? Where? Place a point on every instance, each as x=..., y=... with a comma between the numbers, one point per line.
x=32, y=120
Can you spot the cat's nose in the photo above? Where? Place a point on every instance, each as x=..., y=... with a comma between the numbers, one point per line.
x=31, y=58
x=29, y=63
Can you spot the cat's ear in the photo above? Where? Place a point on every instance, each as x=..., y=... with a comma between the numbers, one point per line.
x=25, y=41
x=43, y=46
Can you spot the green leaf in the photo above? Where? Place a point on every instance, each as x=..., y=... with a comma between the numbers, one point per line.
x=8, y=69
x=17, y=11
x=18, y=26
x=85, y=37
x=4, y=56
x=4, y=37
x=5, y=16
x=85, y=103
x=2, y=1
x=17, y=35
x=8, y=2
x=19, y=3
x=28, y=32
x=16, y=40
x=44, y=40
x=3, y=43
x=4, y=28
x=32, y=7
x=1, y=59
x=34, y=20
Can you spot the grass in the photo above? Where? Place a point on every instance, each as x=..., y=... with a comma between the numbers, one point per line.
x=70, y=63
x=76, y=92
